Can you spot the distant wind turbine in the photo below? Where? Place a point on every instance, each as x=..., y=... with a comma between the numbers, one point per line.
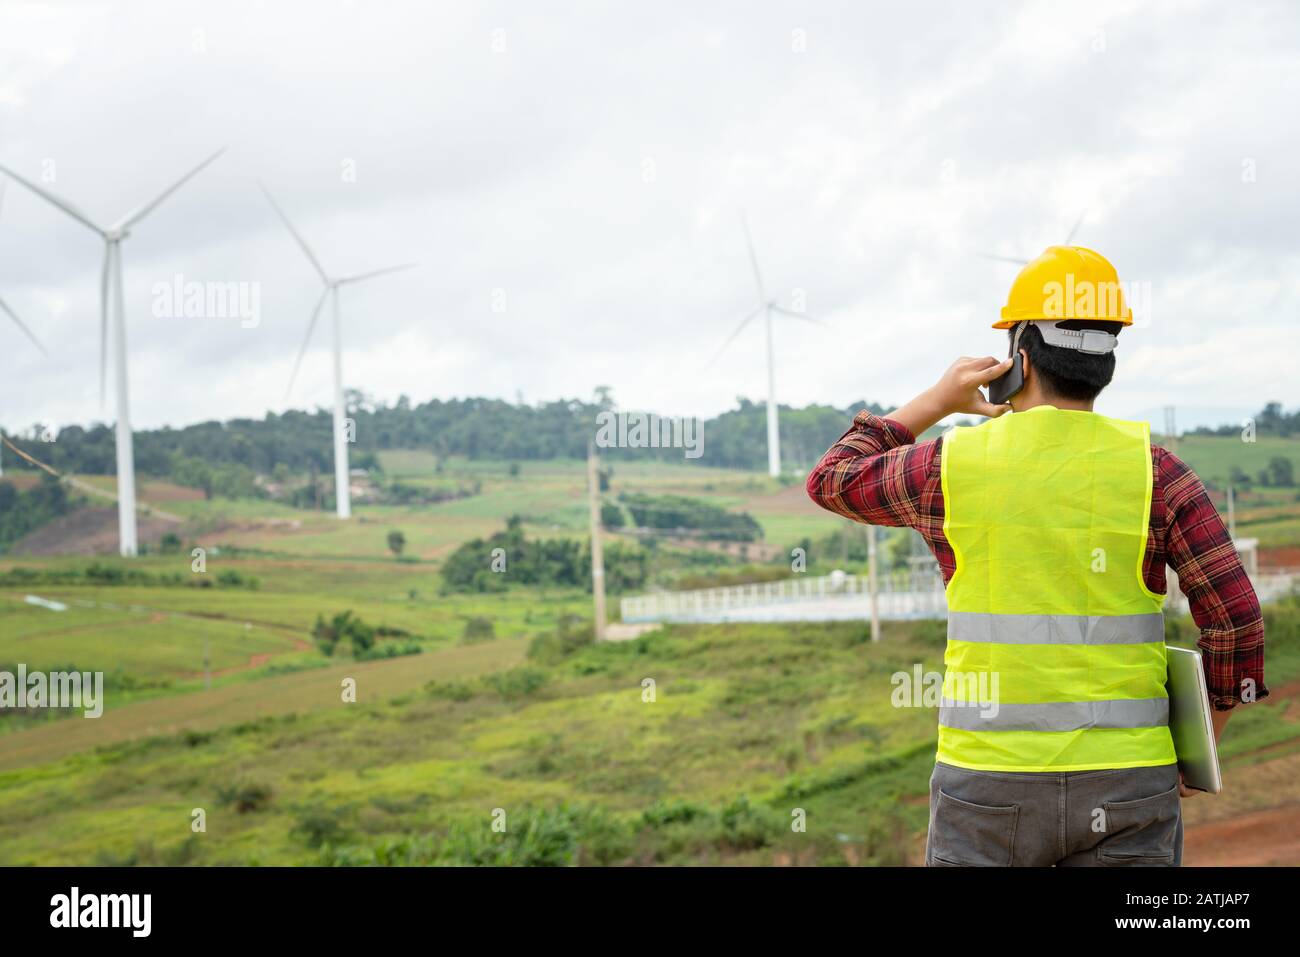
x=1024, y=260
x=110, y=291
x=765, y=308
x=342, y=496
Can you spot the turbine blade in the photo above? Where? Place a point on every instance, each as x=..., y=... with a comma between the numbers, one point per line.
x=306, y=339
x=1075, y=228
x=753, y=258
x=53, y=200
x=1003, y=259
x=798, y=315
x=130, y=219
x=302, y=243
x=731, y=338
x=376, y=272
x=4, y=306
x=103, y=321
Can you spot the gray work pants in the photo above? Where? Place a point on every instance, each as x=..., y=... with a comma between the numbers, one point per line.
x=1114, y=818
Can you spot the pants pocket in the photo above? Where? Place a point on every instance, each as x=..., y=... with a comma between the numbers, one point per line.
x=963, y=834
x=1142, y=833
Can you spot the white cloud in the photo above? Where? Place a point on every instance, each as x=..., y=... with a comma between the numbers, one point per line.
x=594, y=175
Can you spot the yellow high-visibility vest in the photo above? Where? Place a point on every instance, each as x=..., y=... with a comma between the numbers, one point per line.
x=1056, y=653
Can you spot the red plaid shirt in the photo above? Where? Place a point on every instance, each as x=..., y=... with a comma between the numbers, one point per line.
x=879, y=474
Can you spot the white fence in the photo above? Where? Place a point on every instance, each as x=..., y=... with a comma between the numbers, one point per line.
x=841, y=597
x=825, y=598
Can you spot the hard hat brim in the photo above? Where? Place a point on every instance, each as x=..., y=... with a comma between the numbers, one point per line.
x=1004, y=323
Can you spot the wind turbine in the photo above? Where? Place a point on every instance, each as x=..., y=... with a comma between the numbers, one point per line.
x=4, y=306
x=765, y=309
x=342, y=496
x=110, y=290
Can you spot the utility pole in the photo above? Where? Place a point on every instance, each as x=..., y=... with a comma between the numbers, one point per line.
x=875, y=584
x=1171, y=430
x=597, y=553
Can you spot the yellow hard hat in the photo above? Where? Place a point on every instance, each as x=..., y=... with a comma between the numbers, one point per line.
x=1066, y=282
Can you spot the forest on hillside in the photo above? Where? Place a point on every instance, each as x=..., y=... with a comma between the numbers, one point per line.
x=477, y=428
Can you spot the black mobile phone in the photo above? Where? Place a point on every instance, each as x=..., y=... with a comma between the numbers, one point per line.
x=1009, y=383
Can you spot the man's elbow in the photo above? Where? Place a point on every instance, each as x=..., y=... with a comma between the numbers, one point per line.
x=815, y=485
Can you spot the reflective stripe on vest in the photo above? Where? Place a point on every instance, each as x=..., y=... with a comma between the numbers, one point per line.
x=1056, y=655
x=1059, y=716
x=1056, y=629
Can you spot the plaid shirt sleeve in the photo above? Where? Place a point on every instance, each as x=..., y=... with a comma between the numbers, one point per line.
x=1219, y=592
x=878, y=474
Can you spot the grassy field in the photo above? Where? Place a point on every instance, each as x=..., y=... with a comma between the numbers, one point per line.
x=749, y=729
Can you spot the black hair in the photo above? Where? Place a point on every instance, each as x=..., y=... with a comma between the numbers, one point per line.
x=1068, y=373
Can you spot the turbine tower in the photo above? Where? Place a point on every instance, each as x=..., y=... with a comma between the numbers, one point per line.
x=765, y=309
x=110, y=292
x=342, y=496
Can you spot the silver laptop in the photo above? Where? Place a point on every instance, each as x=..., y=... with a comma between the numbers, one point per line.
x=1189, y=721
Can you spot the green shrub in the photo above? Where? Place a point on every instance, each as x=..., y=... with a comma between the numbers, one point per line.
x=245, y=796
x=515, y=683
x=746, y=826
x=478, y=628
x=317, y=824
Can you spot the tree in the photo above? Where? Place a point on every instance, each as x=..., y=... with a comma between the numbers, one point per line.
x=343, y=625
x=396, y=542
x=1281, y=472
x=611, y=516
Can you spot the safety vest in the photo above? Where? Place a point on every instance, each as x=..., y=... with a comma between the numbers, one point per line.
x=1056, y=653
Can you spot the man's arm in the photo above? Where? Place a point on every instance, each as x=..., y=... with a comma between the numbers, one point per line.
x=877, y=474
x=1219, y=592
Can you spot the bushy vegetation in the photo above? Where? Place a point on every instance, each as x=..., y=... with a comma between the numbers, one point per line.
x=510, y=558
x=215, y=479
x=346, y=628
x=27, y=510
x=680, y=514
x=109, y=572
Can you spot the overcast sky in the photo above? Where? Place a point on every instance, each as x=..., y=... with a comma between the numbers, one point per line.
x=571, y=184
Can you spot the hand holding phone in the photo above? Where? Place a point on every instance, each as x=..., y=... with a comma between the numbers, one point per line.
x=1009, y=383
